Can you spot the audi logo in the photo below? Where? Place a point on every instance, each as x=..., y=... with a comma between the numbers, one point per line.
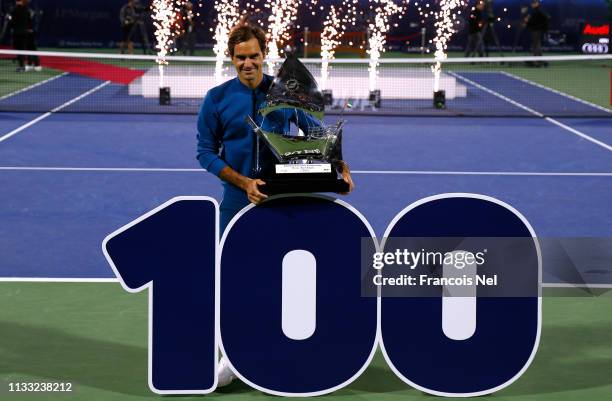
x=595, y=48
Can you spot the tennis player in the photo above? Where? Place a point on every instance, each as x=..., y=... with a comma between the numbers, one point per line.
x=226, y=143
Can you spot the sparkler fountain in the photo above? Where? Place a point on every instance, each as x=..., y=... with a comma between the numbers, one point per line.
x=383, y=11
x=283, y=14
x=334, y=27
x=330, y=39
x=163, y=17
x=228, y=15
x=445, y=22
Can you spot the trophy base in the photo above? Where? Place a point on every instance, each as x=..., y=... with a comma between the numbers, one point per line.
x=285, y=185
x=304, y=178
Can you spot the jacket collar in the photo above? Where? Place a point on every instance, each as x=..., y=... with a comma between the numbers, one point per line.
x=263, y=86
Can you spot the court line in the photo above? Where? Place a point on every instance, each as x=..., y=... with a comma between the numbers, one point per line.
x=570, y=285
x=33, y=86
x=57, y=280
x=557, y=92
x=495, y=173
x=534, y=112
x=115, y=280
x=388, y=172
x=55, y=110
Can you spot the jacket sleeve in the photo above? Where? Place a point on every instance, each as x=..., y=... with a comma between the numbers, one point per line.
x=209, y=137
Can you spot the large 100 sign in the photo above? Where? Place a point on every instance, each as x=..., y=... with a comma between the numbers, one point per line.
x=281, y=296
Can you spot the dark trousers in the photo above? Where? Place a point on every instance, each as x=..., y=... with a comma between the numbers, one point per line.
x=474, y=44
x=536, y=43
x=188, y=41
x=25, y=41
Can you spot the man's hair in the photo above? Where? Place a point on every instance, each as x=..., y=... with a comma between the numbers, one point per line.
x=243, y=32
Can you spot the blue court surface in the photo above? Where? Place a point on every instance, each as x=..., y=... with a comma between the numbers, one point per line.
x=69, y=179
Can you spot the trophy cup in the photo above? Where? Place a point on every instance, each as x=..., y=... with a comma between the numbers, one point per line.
x=308, y=160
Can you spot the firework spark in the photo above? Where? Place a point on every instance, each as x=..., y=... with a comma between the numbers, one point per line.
x=383, y=11
x=283, y=14
x=445, y=21
x=334, y=26
x=228, y=15
x=164, y=14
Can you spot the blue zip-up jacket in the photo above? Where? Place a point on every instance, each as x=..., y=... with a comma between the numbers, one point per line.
x=226, y=139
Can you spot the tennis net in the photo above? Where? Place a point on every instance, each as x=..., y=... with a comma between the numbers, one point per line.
x=555, y=86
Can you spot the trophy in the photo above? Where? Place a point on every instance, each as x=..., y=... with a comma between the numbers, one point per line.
x=309, y=159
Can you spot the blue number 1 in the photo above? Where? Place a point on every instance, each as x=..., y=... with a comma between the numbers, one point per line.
x=172, y=251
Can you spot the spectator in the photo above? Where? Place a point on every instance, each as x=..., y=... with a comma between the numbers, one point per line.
x=188, y=39
x=21, y=22
x=127, y=17
x=537, y=23
x=140, y=25
x=475, y=25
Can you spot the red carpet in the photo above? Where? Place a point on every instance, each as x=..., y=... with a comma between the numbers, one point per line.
x=92, y=69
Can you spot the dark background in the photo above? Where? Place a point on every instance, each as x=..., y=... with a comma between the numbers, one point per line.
x=95, y=23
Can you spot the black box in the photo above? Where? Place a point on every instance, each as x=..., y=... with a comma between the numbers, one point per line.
x=439, y=99
x=375, y=98
x=328, y=97
x=164, y=96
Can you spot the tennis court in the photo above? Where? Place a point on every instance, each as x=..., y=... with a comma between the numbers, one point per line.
x=74, y=166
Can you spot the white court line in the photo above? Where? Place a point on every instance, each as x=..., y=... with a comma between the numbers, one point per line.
x=569, y=285
x=110, y=169
x=115, y=280
x=580, y=134
x=496, y=94
x=388, y=172
x=557, y=92
x=57, y=280
x=55, y=110
x=497, y=173
x=532, y=111
x=33, y=86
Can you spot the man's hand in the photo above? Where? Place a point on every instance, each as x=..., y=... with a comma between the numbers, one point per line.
x=346, y=176
x=247, y=184
x=252, y=191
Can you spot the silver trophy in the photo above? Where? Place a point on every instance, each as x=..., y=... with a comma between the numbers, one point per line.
x=307, y=158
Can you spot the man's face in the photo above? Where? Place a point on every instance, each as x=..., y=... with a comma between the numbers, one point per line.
x=248, y=60
x=535, y=4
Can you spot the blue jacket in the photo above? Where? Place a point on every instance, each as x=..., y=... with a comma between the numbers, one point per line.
x=226, y=139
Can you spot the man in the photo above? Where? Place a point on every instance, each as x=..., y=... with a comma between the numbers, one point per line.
x=188, y=40
x=475, y=25
x=127, y=17
x=537, y=23
x=21, y=19
x=226, y=143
